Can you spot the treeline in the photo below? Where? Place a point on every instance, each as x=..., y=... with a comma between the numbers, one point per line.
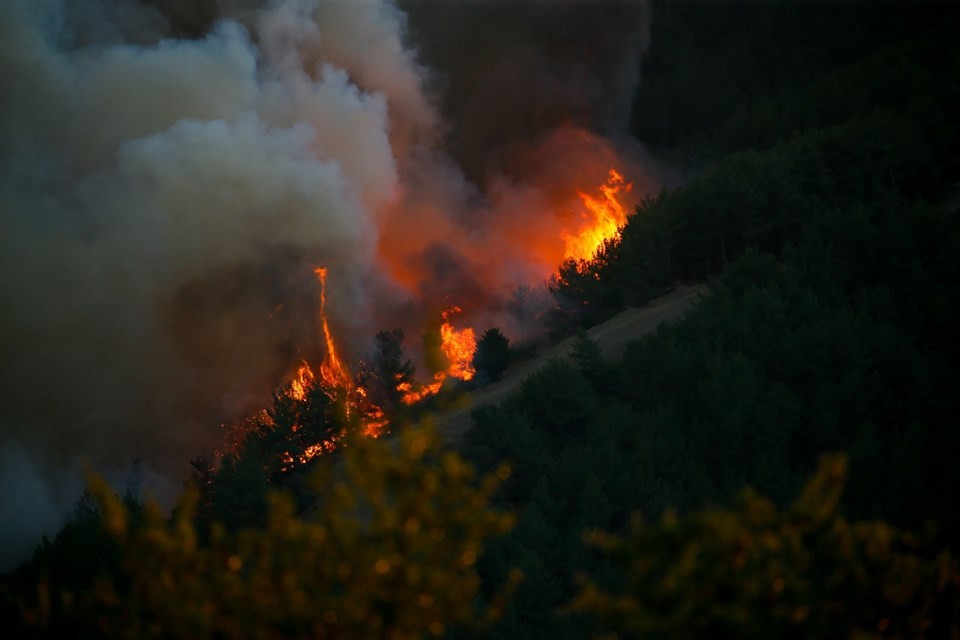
x=831, y=325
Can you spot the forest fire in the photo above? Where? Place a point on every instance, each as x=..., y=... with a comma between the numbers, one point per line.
x=605, y=217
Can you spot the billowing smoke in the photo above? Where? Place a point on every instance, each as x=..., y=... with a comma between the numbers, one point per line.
x=172, y=171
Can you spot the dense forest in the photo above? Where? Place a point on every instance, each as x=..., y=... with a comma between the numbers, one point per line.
x=611, y=496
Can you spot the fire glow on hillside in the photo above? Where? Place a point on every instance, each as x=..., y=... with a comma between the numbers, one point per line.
x=603, y=217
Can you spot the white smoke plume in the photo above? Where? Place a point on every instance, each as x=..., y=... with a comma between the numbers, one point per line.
x=171, y=172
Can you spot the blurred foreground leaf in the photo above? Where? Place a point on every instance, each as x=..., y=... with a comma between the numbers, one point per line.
x=388, y=551
x=756, y=572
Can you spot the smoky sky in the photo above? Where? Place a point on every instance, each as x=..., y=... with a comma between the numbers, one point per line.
x=508, y=73
x=171, y=172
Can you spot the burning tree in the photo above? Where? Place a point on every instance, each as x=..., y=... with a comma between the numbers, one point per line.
x=448, y=352
x=603, y=219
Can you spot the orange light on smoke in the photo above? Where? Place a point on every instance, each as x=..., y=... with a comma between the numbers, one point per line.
x=603, y=216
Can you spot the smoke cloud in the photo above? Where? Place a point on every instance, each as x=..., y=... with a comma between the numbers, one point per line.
x=172, y=171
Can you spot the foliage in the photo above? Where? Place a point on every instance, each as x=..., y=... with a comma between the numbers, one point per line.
x=492, y=356
x=239, y=490
x=46, y=587
x=754, y=571
x=589, y=359
x=202, y=477
x=388, y=551
x=784, y=360
x=710, y=62
x=390, y=368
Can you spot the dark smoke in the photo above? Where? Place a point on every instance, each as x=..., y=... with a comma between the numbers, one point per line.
x=510, y=73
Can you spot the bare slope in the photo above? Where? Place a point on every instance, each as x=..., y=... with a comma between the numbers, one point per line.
x=612, y=336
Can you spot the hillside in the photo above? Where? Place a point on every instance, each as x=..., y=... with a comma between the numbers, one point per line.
x=611, y=336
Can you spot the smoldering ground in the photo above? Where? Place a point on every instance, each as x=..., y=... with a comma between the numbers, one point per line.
x=171, y=172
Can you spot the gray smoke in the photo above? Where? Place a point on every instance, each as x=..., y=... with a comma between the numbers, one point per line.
x=171, y=171
x=163, y=202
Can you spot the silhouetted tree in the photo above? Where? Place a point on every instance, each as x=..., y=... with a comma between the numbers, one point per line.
x=240, y=488
x=492, y=356
x=390, y=368
x=586, y=354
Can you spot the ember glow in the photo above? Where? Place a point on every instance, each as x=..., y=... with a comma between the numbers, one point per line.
x=604, y=217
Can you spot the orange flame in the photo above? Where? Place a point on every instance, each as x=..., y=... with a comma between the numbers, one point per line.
x=458, y=346
x=337, y=383
x=605, y=216
x=332, y=371
x=301, y=382
x=413, y=396
x=335, y=374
